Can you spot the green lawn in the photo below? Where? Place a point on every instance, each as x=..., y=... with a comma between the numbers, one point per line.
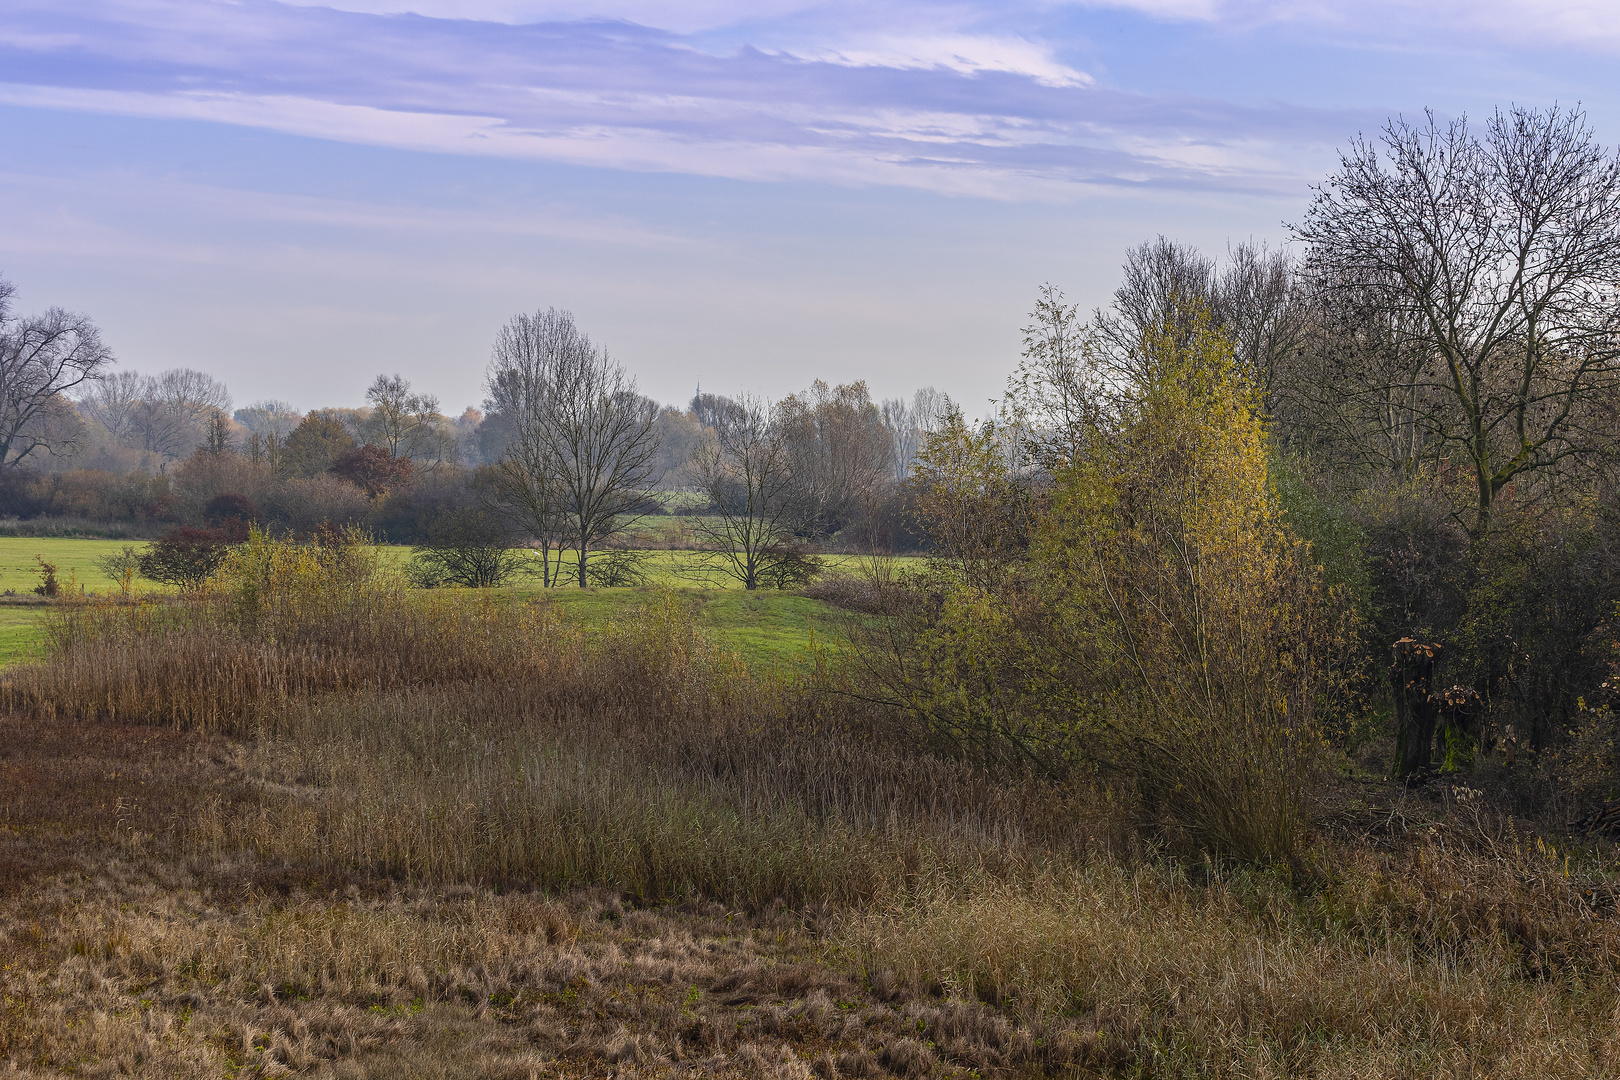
x=769, y=628
x=19, y=572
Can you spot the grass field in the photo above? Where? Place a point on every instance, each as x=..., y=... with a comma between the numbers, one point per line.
x=769, y=628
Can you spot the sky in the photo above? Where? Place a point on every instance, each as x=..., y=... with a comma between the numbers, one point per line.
x=296, y=197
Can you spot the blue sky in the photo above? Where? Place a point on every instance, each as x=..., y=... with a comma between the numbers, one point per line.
x=295, y=197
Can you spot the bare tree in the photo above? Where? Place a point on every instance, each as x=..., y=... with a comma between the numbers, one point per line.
x=403, y=422
x=174, y=410
x=744, y=472
x=1258, y=301
x=902, y=427
x=1165, y=285
x=112, y=401
x=41, y=358
x=1498, y=261
x=603, y=436
x=584, y=443
x=524, y=480
x=1053, y=397
x=909, y=422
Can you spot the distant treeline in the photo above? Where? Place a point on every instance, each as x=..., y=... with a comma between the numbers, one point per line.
x=102, y=447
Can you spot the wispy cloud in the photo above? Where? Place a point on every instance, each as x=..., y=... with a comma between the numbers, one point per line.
x=956, y=110
x=1588, y=25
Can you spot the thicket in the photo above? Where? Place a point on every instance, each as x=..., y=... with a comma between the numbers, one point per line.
x=1144, y=620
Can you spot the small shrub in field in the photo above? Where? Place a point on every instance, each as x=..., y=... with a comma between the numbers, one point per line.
x=188, y=556
x=48, y=585
x=122, y=568
x=470, y=548
x=790, y=569
x=616, y=568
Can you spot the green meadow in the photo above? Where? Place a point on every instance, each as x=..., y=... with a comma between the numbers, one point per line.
x=770, y=629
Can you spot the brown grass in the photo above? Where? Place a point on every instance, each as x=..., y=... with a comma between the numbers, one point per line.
x=511, y=849
x=128, y=949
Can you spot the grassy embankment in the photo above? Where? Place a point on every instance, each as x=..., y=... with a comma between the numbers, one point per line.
x=328, y=827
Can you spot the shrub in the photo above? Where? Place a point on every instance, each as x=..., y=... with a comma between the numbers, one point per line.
x=788, y=568
x=229, y=507
x=122, y=568
x=373, y=469
x=303, y=505
x=617, y=568
x=471, y=548
x=187, y=556
x=1164, y=630
x=47, y=586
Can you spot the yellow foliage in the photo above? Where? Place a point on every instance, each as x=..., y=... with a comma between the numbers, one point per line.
x=1172, y=578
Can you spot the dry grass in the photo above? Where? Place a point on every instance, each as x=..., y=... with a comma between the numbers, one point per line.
x=215, y=661
x=129, y=950
x=508, y=849
x=1247, y=981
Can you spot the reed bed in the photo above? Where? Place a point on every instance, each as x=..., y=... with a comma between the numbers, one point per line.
x=589, y=781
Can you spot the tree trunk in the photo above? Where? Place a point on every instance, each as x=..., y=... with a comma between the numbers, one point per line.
x=1415, y=710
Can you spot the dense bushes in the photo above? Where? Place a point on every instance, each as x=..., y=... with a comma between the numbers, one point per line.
x=1150, y=619
x=187, y=557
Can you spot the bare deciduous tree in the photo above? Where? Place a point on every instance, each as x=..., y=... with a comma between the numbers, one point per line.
x=41, y=358
x=744, y=472
x=174, y=410
x=909, y=422
x=523, y=481
x=403, y=422
x=1498, y=261
x=583, y=449
x=1258, y=302
x=1053, y=397
x=1166, y=284
x=112, y=401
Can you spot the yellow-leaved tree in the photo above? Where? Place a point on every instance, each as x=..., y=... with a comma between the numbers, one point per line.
x=1132, y=608
x=1189, y=629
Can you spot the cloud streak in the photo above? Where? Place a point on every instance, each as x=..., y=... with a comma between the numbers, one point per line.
x=1588, y=25
x=950, y=111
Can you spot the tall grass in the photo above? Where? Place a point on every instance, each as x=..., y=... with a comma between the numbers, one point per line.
x=281, y=622
x=1244, y=978
x=462, y=737
x=456, y=739
x=643, y=763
